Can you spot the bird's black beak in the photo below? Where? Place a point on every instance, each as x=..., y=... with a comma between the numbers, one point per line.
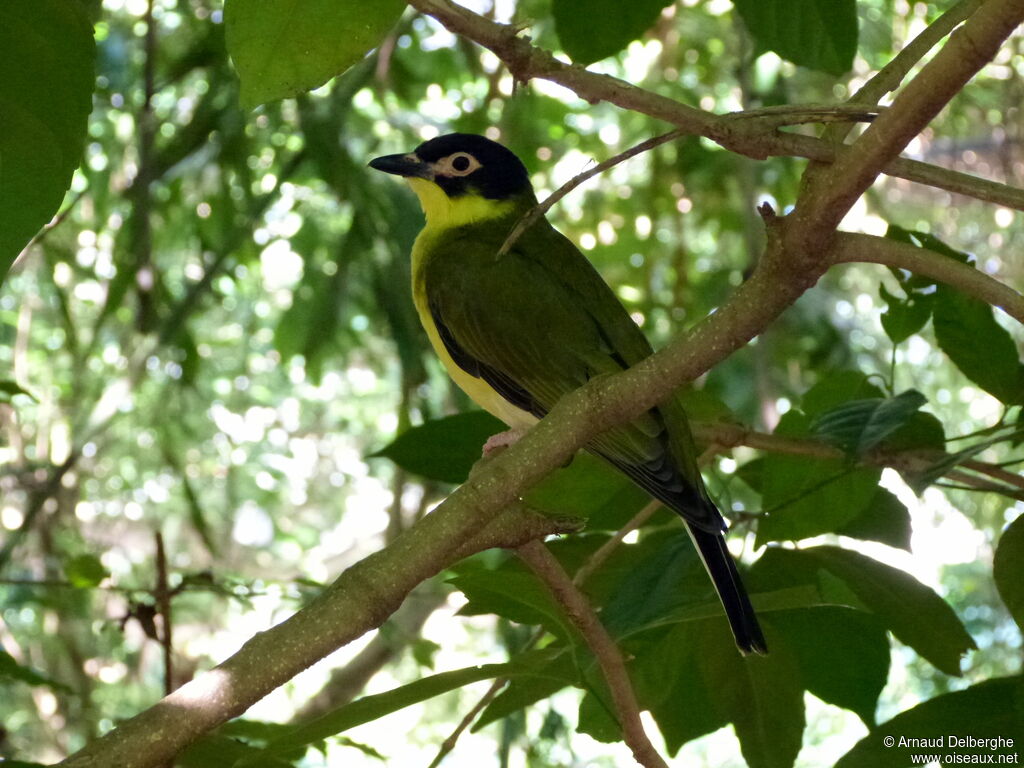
x=403, y=165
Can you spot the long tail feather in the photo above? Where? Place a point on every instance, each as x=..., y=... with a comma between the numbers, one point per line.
x=726, y=578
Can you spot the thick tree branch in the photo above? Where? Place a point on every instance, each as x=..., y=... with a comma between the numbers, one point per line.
x=851, y=247
x=754, y=137
x=607, y=654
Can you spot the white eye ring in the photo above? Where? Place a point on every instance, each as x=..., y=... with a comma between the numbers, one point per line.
x=457, y=164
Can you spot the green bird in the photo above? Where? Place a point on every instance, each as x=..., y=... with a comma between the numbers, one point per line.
x=519, y=331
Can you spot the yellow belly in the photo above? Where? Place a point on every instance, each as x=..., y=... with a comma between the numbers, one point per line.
x=479, y=391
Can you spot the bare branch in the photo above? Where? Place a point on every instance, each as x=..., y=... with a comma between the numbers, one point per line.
x=578, y=609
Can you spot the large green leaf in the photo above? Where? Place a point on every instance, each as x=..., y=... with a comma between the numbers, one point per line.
x=805, y=496
x=281, y=48
x=843, y=655
x=85, y=570
x=373, y=707
x=443, y=449
x=883, y=519
x=591, y=489
x=594, y=29
x=993, y=709
x=511, y=592
x=1008, y=569
x=818, y=34
x=980, y=347
x=912, y=611
x=761, y=695
x=46, y=83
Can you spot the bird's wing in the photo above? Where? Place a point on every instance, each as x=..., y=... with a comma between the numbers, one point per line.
x=539, y=322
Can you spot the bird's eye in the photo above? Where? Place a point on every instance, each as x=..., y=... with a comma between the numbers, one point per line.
x=461, y=162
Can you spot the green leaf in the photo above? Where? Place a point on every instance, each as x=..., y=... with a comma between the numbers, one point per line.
x=883, y=519
x=46, y=83
x=597, y=721
x=981, y=348
x=590, y=30
x=843, y=655
x=805, y=496
x=591, y=489
x=761, y=695
x=836, y=388
x=12, y=670
x=443, y=449
x=992, y=709
x=912, y=611
x=858, y=426
x=1008, y=569
x=921, y=430
x=281, y=48
x=85, y=571
x=817, y=34
x=536, y=683
x=511, y=592
x=904, y=317
x=370, y=708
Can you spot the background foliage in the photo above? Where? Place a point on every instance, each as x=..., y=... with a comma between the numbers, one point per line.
x=215, y=393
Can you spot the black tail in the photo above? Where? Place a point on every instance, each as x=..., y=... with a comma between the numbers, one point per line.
x=722, y=570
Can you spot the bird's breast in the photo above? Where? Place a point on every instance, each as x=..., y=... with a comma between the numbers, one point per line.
x=478, y=390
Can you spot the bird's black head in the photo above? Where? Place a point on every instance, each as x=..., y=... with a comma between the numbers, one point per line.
x=462, y=164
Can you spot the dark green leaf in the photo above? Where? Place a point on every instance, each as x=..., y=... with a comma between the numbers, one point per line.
x=591, y=489
x=922, y=430
x=444, y=449
x=46, y=83
x=980, y=347
x=513, y=593
x=992, y=709
x=858, y=426
x=597, y=720
x=216, y=751
x=1008, y=569
x=373, y=707
x=535, y=684
x=672, y=682
x=912, y=612
x=761, y=695
x=804, y=496
x=818, y=34
x=281, y=49
x=843, y=655
x=836, y=388
x=85, y=571
x=590, y=30
x=883, y=519
x=905, y=317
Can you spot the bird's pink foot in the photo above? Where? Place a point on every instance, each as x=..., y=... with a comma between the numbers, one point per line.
x=502, y=440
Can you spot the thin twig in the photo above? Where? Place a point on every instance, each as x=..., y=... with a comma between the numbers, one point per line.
x=541, y=208
x=162, y=595
x=449, y=744
x=606, y=653
x=602, y=553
